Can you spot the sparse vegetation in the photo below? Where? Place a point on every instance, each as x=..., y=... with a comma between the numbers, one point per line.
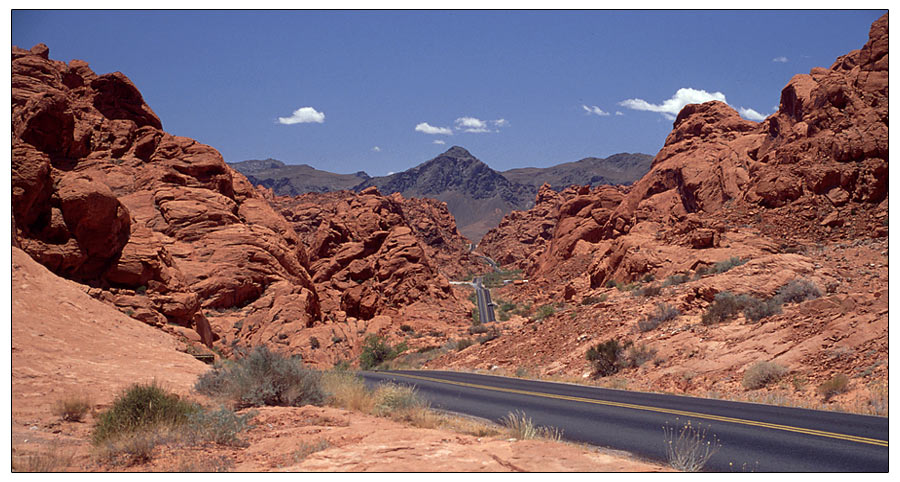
x=146, y=416
x=725, y=306
x=676, y=279
x=664, y=312
x=797, y=291
x=306, y=449
x=314, y=343
x=51, y=459
x=495, y=279
x=263, y=378
x=720, y=267
x=463, y=343
x=637, y=355
x=522, y=427
x=756, y=309
x=544, y=311
x=761, y=374
x=834, y=386
x=605, y=357
x=406, y=328
x=687, y=448
x=647, y=291
x=376, y=351
x=72, y=407
x=593, y=300
x=142, y=407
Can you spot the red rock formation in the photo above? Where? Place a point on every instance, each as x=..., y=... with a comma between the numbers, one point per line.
x=157, y=223
x=369, y=252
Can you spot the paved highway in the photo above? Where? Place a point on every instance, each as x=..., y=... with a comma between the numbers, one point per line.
x=483, y=297
x=753, y=437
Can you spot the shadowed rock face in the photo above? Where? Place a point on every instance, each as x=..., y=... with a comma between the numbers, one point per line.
x=815, y=169
x=157, y=224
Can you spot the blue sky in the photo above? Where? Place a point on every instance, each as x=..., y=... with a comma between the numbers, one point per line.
x=380, y=91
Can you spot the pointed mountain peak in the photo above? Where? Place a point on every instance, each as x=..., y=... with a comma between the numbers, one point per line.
x=457, y=151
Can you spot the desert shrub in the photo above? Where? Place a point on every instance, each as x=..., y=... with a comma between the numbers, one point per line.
x=72, y=408
x=647, y=291
x=664, y=312
x=544, y=312
x=605, y=357
x=263, y=378
x=834, y=386
x=797, y=291
x=393, y=398
x=50, y=459
x=142, y=407
x=522, y=427
x=406, y=328
x=220, y=426
x=687, y=448
x=314, y=343
x=636, y=356
x=676, y=279
x=492, y=334
x=476, y=317
x=756, y=309
x=478, y=329
x=761, y=374
x=463, y=343
x=308, y=448
x=725, y=265
x=725, y=305
x=377, y=350
x=592, y=300
x=346, y=390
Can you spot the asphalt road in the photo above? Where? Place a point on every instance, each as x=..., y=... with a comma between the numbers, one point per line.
x=483, y=297
x=753, y=437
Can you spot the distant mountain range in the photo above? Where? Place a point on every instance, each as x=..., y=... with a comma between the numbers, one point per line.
x=476, y=195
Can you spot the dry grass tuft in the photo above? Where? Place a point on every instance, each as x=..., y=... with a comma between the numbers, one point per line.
x=52, y=459
x=72, y=407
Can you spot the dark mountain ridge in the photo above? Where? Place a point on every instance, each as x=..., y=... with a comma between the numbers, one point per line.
x=476, y=195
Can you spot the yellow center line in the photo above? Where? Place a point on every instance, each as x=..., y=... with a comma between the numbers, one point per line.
x=718, y=418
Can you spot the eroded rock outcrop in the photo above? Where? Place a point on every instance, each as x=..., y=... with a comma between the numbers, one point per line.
x=157, y=224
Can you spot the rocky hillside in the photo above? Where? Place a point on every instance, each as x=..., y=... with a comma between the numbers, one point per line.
x=161, y=228
x=477, y=195
x=730, y=205
x=158, y=224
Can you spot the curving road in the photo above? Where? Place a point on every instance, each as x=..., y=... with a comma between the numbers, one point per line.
x=753, y=437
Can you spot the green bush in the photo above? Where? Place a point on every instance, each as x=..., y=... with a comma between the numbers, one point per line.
x=664, y=312
x=725, y=306
x=263, y=378
x=756, y=309
x=636, y=356
x=464, y=343
x=492, y=334
x=605, y=357
x=142, y=407
x=797, y=291
x=834, y=386
x=220, y=426
x=723, y=266
x=544, y=312
x=377, y=350
x=761, y=374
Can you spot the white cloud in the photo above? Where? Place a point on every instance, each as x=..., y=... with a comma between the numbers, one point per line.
x=594, y=110
x=430, y=129
x=471, y=124
x=501, y=123
x=748, y=113
x=438, y=141
x=618, y=112
x=782, y=59
x=376, y=149
x=303, y=115
x=672, y=106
